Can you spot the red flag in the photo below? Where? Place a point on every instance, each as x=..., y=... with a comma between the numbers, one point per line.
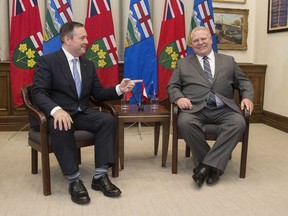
x=101, y=41
x=25, y=45
x=144, y=93
x=172, y=43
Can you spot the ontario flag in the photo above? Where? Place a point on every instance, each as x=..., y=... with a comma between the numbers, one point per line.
x=202, y=16
x=101, y=41
x=58, y=12
x=172, y=43
x=140, y=55
x=25, y=45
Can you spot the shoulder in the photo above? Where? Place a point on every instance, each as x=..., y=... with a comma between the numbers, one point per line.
x=223, y=56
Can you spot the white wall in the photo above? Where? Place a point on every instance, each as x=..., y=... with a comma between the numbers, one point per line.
x=272, y=49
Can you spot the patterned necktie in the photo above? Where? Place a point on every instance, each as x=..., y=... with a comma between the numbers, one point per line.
x=211, y=101
x=76, y=75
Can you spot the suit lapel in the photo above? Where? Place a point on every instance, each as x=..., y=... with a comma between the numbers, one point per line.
x=218, y=63
x=198, y=67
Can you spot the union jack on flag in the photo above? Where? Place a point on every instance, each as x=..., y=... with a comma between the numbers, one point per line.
x=22, y=5
x=169, y=12
x=94, y=9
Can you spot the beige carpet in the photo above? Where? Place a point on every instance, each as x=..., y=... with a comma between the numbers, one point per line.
x=148, y=189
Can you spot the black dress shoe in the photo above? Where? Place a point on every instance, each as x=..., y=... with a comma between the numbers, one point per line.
x=104, y=184
x=78, y=192
x=213, y=175
x=200, y=175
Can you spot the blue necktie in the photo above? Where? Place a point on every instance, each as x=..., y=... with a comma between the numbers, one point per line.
x=76, y=75
x=211, y=102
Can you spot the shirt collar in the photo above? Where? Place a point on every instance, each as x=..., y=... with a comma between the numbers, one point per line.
x=68, y=55
x=210, y=56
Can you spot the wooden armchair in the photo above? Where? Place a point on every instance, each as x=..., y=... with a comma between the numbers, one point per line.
x=39, y=140
x=211, y=134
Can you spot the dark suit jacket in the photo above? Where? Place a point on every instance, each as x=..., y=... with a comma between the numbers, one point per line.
x=54, y=85
x=189, y=80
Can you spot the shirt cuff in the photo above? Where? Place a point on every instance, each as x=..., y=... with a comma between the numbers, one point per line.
x=54, y=110
x=117, y=88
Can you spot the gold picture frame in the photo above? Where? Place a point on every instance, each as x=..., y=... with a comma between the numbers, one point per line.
x=231, y=1
x=231, y=26
x=277, y=16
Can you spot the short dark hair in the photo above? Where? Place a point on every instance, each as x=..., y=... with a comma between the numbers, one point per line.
x=68, y=28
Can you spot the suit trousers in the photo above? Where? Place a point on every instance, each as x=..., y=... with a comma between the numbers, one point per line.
x=231, y=126
x=63, y=142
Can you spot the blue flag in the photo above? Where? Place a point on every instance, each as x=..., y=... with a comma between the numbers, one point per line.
x=202, y=16
x=140, y=55
x=58, y=12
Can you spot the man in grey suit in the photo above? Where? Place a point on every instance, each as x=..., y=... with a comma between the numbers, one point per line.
x=63, y=83
x=202, y=86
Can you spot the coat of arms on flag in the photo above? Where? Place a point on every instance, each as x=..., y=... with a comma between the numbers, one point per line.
x=28, y=51
x=58, y=12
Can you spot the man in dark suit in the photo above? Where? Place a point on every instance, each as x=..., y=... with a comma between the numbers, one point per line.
x=202, y=87
x=65, y=103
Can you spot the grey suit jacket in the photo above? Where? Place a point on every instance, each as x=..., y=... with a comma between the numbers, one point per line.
x=54, y=85
x=189, y=80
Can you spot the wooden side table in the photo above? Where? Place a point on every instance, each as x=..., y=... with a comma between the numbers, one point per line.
x=159, y=116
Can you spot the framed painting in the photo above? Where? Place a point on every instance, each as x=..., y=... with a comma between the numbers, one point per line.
x=231, y=26
x=277, y=16
x=231, y=1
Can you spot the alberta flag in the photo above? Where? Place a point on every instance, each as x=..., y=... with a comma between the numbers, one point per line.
x=102, y=44
x=172, y=43
x=140, y=55
x=25, y=45
x=202, y=16
x=58, y=12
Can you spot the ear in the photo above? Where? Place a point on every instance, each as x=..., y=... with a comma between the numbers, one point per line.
x=67, y=39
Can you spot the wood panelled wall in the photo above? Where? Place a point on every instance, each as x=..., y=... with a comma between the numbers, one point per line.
x=12, y=118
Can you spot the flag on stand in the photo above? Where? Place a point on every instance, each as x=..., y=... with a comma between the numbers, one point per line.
x=58, y=12
x=139, y=54
x=25, y=45
x=202, y=16
x=172, y=44
x=101, y=41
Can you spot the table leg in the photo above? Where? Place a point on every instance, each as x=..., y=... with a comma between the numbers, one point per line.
x=156, y=137
x=165, y=141
x=121, y=142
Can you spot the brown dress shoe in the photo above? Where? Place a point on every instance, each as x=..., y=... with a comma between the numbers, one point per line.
x=104, y=184
x=78, y=192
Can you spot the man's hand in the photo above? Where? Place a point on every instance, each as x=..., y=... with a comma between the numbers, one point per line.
x=184, y=103
x=248, y=104
x=62, y=119
x=127, y=85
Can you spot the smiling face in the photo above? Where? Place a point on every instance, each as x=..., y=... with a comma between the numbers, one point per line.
x=201, y=41
x=75, y=42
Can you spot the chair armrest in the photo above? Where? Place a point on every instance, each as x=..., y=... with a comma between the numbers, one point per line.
x=104, y=105
x=32, y=109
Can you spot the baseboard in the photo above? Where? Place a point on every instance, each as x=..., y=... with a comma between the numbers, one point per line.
x=274, y=120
